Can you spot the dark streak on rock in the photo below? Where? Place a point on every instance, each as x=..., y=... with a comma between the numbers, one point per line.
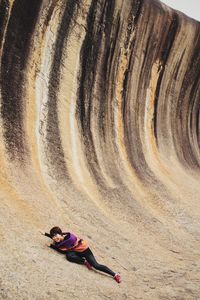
x=132, y=23
x=188, y=108
x=191, y=82
x=131, y=125
x=131, y=110
x=110, y=70
x=13, y=69
x=198, y=125
x=54, y=145
x=137, y=8
x=49, y=14
x=163, y=56
x=100, y=13
x=107, y=57
x=89, y=52
x=148, y=53
x=112, y=47
x=178, y=65
x=125, y=87
x=194, y=111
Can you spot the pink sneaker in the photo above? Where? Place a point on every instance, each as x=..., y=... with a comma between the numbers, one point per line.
x=117, y=278
x=88, y=265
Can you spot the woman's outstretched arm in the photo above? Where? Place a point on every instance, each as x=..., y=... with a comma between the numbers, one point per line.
x=45, y=233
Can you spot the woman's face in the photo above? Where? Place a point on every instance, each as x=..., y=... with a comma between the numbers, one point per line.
x=57, y=238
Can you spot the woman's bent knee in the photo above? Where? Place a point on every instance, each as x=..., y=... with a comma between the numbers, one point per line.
x=74, y=258
x=70, y=257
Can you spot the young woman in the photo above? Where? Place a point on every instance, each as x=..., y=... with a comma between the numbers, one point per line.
x=77, y=251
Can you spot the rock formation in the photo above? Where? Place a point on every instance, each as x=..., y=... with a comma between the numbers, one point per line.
x=99, y=130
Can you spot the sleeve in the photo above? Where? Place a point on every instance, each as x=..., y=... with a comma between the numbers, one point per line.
x=56, y=248
x=47, y=234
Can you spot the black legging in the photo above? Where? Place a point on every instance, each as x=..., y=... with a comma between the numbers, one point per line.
x=78, y=257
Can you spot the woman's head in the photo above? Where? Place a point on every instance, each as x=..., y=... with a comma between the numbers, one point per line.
x=56, y=234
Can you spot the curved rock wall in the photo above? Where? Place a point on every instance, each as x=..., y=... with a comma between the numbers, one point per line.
x=99, y=124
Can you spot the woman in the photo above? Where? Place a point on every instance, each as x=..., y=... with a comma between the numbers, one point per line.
x=77, y=251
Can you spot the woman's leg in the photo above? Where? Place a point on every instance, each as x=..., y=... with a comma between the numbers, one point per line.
x=91, y=259
x=74, y=257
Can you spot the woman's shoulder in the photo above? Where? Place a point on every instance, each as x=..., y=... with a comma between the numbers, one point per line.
x=66, y=235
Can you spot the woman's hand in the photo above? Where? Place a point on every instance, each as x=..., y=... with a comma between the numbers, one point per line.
x=42, y=232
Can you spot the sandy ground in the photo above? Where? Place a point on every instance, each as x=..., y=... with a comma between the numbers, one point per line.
x=151, y=266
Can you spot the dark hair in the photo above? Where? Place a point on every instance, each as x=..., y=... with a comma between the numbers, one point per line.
x=55, y=230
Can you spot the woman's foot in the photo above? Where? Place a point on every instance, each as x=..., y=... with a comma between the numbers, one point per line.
x=117, y=278
x=88, y=265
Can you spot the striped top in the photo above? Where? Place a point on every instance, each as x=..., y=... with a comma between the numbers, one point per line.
x=70, y=243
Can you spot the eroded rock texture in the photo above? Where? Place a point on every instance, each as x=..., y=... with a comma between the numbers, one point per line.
x=99, y=129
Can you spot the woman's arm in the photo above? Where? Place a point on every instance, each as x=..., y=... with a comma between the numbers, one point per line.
x=56, y=248
x=47, y=234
